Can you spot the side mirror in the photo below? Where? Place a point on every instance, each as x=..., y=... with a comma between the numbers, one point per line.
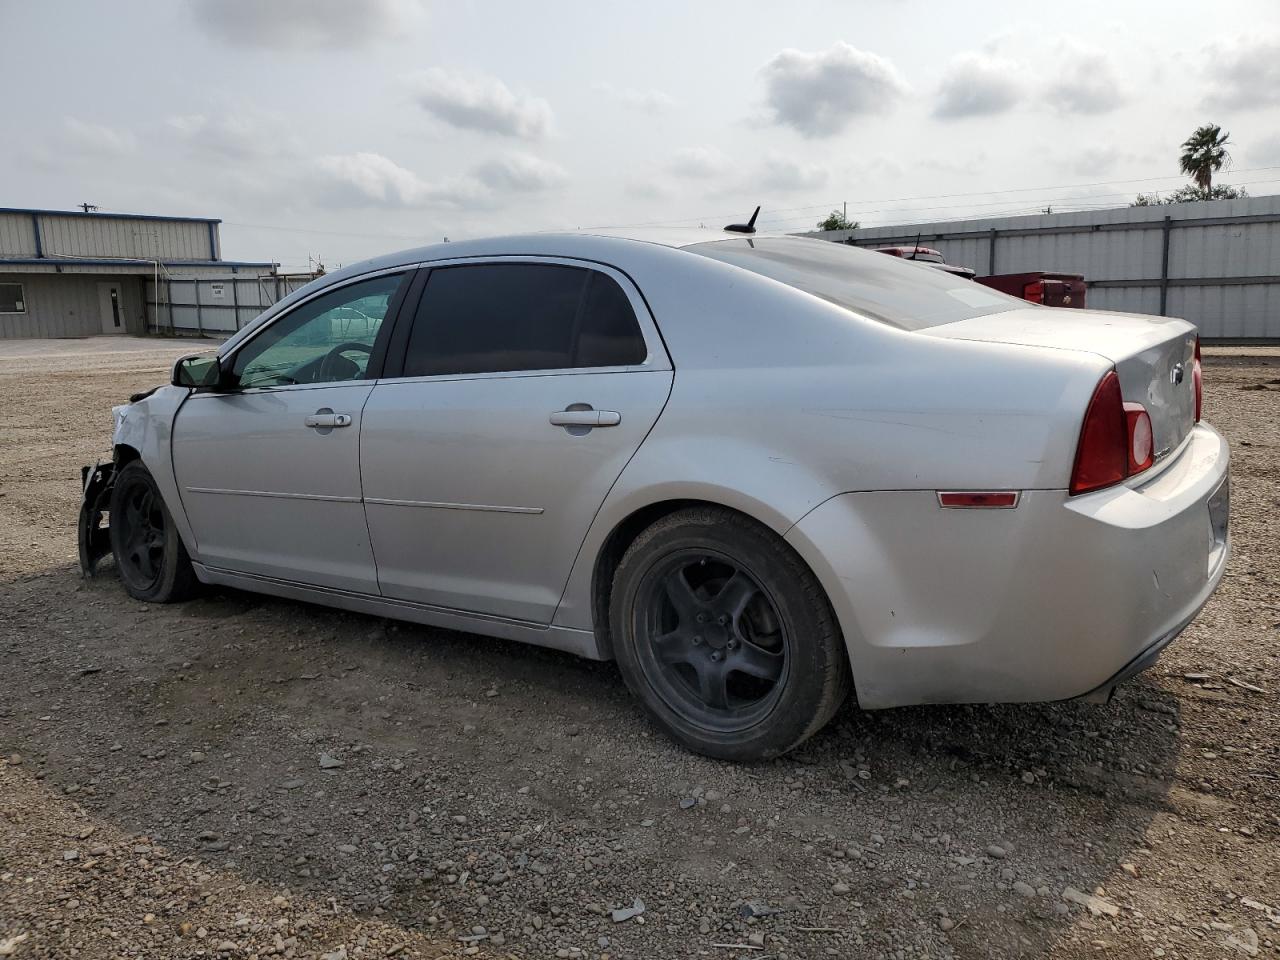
x=199, y=372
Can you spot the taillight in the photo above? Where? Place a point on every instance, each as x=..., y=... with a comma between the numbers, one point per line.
x=1197, y=381
x=1034, y=292
x=1141, y=442
x=1115, y=441
x=1102, y=455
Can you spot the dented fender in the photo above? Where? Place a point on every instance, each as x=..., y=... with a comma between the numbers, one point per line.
x=143, y=430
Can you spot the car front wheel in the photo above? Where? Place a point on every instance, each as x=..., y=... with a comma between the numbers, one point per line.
x=726, y=636
x=149, y=553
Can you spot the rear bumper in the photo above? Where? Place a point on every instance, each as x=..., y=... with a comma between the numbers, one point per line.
x=1057, y=598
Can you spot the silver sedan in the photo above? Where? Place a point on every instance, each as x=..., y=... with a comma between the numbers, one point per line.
x=756, y=471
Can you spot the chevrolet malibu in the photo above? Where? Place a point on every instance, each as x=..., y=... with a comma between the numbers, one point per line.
x=757, y=471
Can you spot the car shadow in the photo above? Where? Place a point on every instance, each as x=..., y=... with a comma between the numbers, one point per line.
x=534, y=777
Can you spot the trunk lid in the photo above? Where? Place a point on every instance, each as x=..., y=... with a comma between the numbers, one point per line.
x=1153, y=356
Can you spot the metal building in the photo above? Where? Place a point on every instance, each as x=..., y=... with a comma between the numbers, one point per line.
x=74, y=274
x=1215, y=263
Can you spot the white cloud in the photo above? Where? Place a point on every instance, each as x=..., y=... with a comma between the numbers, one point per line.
x=976, y=85
x=94, y=138
x=698, y=163
x=305, y=24
x=229, y=135
x=646, y=101
x=1087, y=82
x=522, y=173
x=1265, y=152
x=472, y=102
x=1244, y=73
x=361, y=179
x=1100, y=161
x=786, y=175
x=819, y=93
x=647, y=190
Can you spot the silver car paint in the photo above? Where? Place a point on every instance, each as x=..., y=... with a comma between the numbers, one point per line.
x=835, y=431
x=266, y=494
x=144, y=428
x=1043, y=602
x=454, y=520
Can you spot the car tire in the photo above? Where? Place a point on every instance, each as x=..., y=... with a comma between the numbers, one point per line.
x=149, y=554
x=725, y=636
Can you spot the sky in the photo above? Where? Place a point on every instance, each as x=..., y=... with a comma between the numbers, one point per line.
x=341, y=129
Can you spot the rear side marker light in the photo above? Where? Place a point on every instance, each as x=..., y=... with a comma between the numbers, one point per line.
x=978, y=499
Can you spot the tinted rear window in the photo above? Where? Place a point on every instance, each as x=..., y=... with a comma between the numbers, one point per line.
x=907, y=295
x=507, y=317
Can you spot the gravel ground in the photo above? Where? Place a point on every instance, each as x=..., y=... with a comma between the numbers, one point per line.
x=241, y=777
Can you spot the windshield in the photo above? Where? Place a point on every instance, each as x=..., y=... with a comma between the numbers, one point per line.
x=907, y=295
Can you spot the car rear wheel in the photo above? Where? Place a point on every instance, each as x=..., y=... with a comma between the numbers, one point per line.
x=726, y=636
x=149, y=553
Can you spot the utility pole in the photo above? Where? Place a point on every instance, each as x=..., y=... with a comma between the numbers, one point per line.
x=846, y=210
x=86, y=207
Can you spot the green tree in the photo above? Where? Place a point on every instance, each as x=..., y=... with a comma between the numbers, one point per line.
x=1187, y=194
x=836, y=220
x=1203, y=154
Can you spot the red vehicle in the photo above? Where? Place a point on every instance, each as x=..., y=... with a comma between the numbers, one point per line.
x=927, y=255
x=1048, y=289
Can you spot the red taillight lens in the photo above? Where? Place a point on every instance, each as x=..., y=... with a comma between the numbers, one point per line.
x=1034, y=292
x=1141, y=440
x=1116, y=440
x=1197, y=381
x=978, y=499
x=1102, y=455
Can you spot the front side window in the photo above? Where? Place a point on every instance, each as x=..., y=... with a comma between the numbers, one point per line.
x=11, y=298
x=511, y=317
x=911, y=296
x=327, y=339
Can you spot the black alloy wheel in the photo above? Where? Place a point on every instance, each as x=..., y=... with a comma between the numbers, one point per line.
x=150, y=556
x=714, y=644
x=143, y=537
x=725, y=636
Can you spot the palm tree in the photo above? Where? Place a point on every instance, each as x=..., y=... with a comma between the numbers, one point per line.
x=1203, y=155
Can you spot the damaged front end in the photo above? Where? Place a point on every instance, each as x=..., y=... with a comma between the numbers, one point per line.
x=139, y=430
x=94, y=533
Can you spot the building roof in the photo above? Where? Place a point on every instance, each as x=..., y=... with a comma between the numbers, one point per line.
x=56, y=261
x=99, y=215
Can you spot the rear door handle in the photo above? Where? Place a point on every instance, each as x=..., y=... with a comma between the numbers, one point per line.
x=586, y=418
x=328, y=420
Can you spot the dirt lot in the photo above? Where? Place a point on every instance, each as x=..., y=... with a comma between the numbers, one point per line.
x=240, y=776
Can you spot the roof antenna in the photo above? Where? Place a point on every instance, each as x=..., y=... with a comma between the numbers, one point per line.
x=916, y=249
x=748, y=227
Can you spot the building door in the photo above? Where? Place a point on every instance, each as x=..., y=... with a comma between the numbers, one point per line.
x=111, y=306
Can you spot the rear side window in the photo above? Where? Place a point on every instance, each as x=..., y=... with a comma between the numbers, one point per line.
x=510, y=317
x=901, y=293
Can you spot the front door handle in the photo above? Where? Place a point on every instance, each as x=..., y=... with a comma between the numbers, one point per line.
x=586, y=418
x=327, y=419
